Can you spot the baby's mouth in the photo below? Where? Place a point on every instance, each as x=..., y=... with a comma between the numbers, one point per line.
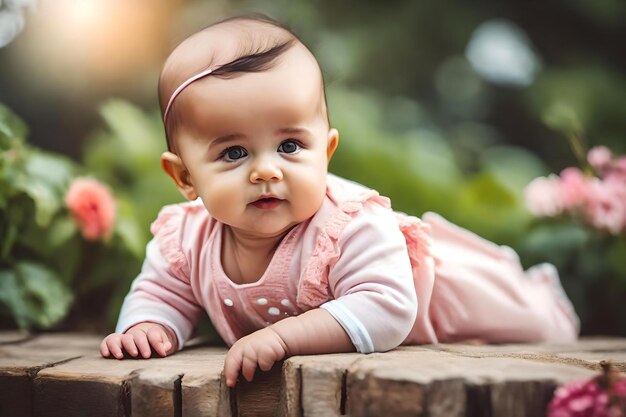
x=267, y=203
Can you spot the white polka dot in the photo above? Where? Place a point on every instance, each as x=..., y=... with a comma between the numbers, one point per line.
x=273, y=311
x=261, y=301
x=285, y=302
x=228, y=302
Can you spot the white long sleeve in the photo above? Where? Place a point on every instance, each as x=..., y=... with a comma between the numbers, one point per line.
x=372, y=282
x=157, y=295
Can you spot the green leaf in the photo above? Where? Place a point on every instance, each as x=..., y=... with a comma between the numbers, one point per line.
x=11, y=297
x=9, y=237
x=616, y=256
x=12, y=128
x=563, y=118
x=44, y=241
x=46, y=180
x=61, y=230
x=66, y=258
x=131, y=127
x=45, y=299
x=487, y=207
x=129, y=232
x=557, y=243
x=513, y=166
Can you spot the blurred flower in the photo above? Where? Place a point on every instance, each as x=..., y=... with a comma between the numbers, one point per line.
x=573, y=187
x=92, y=206
x=599, y=200
x=599, y=157
x=620, y=165
x=12, y=19
x=543, y=196
x=606, y=208
x=602, y=396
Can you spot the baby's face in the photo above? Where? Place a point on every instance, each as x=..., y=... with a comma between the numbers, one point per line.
x=257, y=146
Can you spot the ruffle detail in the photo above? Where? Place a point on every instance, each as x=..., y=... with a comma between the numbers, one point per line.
x=418, y=238
x=314, y=288
x=167, y=230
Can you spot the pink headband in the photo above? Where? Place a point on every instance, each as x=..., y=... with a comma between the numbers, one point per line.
x=181, y=87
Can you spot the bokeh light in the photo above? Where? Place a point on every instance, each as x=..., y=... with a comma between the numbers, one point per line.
x=501, y=53
x=80, y=46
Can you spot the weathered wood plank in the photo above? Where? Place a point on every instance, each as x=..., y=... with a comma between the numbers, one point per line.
x=586, y=353
x=155, y=392
x=415, y=381
x=14, y=336
x=22, y=359
x=143, y=387
x=204, y=390
x=315, y=385
x=259, y=398
x=592, y=359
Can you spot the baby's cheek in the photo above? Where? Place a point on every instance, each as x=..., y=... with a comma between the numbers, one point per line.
x=221, y=199
x=310, y=194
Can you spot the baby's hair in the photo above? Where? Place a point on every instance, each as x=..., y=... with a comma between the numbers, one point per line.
x=259, y=52
x=255, y=61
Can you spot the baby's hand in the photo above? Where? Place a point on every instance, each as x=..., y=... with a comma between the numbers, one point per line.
x=137, y=341
x=263, y=348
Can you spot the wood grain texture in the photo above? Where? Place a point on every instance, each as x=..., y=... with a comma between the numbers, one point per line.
x=63, y=375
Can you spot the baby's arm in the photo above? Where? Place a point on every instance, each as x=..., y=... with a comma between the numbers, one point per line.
x=312, y=332
x=139, y=341
x=160, y=309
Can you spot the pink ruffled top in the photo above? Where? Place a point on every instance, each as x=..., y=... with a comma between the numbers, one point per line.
x=350, y=258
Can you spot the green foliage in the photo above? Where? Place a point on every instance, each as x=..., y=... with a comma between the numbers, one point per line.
x=126, y=154
x=419, y=171
x=45, y=264
x=591, y=265
x=31, y=199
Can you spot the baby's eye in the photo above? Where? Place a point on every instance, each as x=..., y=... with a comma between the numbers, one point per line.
x=233, y=154
x=289, y=146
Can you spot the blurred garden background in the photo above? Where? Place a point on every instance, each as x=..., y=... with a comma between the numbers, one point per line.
x=445, y=106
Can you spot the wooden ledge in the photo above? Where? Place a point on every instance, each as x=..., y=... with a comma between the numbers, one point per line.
x=64, y=375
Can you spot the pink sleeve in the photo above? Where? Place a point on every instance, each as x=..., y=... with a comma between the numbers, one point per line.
x=372, y=282
x=162, y=293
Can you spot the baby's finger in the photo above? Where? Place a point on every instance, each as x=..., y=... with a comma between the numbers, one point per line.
x=248, y=366
x=158, y=339
x=128, y=343
x=141, y=341
x=104, y=350
x=232, y=365
x=114, y=344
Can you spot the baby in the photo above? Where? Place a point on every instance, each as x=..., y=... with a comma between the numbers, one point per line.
x=288, y=259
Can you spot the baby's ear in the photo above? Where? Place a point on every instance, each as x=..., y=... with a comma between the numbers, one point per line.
x=174, y=167
x=333, y=142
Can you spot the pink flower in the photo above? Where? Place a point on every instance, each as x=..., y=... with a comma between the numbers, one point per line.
x=606, y=205
x=599, y=157
x=618, y=169
x=92, y=207
x=589, y=399
x=573, y=188
x=543, y=196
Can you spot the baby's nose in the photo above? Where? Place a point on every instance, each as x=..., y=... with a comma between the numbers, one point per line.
x=264, y=169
